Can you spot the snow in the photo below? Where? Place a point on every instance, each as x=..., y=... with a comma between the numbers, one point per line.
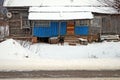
x=98, y=50
x=24, y=56
x=60, y=16
x=66, y=13
x=81, y=39
x=72, y=9
x=109, y=37
x=17, y=3
x=61, y=9
x=11, y=49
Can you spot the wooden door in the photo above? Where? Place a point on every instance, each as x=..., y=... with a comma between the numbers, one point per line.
x=70, y=28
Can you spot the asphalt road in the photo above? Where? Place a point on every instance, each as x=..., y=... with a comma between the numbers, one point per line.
x=61, y=74
x=62, y=79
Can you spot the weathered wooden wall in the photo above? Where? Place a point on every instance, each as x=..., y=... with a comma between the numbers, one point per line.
x=16, y=22
x=105, y=24
x=102, y=23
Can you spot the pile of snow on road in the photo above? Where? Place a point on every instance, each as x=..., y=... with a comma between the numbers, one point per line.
x=12, y=49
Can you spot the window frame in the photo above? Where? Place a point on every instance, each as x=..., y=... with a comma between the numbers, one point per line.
x=97, y=21
x=25, y=23
x=82, y=22
x=42, y=23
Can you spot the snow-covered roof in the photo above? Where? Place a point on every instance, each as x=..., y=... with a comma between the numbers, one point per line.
x=72, y=9
x=20, y=3
x=60, y=16
x=58, y=13
x=60, y=9
x=66, y=13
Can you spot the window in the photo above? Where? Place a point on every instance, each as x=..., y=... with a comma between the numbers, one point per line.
x=42, y=23
x=25, y=21
x=82, y=22
x=25, y=24
x=97, y=22
x=15, y=16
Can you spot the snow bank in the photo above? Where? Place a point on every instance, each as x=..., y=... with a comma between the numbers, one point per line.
x=95, y=56
x=10, y=49
x=94, y=50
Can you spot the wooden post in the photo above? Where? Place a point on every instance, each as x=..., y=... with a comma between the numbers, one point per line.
x=34, y=40
x=59, y=28
x=21, y=22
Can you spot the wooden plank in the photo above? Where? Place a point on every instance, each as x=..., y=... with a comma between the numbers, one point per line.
x=70, y=28
x=34, y=40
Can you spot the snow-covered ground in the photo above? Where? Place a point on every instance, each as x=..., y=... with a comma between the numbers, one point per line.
x=94, y=50
x=20, y=55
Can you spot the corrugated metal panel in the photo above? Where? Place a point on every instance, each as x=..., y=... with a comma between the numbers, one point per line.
x=54, y=29
x=49, y=31
x=81, y=30
x=63, y=28
x=41, y=31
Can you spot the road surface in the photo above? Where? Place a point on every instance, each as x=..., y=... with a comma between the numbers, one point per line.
x=63, y=79
x=61, y=74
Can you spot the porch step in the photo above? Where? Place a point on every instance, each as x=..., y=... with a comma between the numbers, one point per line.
x=71, y=39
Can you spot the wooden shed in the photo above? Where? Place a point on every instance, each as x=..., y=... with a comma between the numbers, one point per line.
x=53, y=18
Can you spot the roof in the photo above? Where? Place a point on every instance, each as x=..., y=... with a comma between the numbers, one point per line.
x=72, y=9
x=16, y=3
x=60, y=16
x=60, y=9
x=66, y=13
x=58, y=13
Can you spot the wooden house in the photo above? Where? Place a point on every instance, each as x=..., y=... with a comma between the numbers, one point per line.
x=69, y=18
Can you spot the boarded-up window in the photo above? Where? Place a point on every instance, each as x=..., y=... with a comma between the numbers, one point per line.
x=15, y=15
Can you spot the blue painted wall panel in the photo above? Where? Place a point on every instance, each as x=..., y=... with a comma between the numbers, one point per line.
x=50, y=31
x=63, y=28
x=41, y=32
x=54, y=29
x=81, y=30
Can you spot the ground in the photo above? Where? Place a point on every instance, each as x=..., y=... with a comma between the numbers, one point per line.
x=24, y=56
x=64, y=79
x=21, y=59
x=61, y=74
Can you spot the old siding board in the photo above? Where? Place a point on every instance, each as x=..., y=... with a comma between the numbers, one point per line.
x=110, y=24
x=16, y=22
